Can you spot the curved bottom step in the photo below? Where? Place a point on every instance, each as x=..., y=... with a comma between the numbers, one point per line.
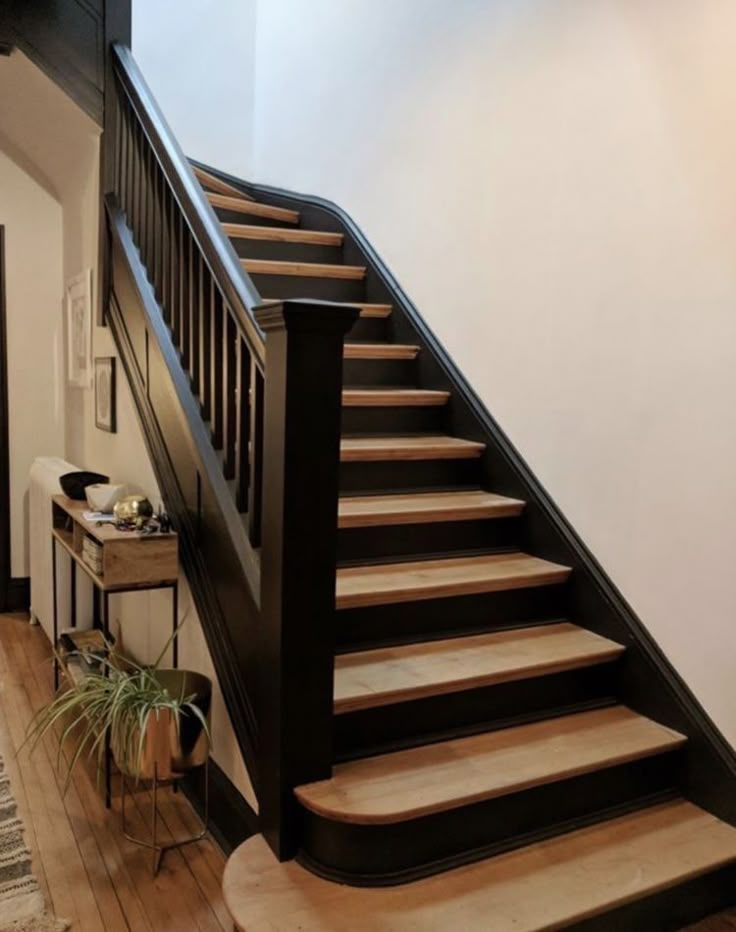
x=673, y=861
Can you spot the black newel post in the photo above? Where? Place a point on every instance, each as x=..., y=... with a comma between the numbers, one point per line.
x=301, y=458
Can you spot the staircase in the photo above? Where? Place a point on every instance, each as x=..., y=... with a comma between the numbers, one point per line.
x=479, y=725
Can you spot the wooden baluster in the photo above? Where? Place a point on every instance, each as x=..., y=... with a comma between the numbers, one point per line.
x=205, y=340
x=217, y=350
x=135, y=182
x=242, y=443
x=255, y=486
x=186, y=289
x=230, y=412
x=176, y=273
x=156, y=228
x=124, y=155
x=195, y=330
x=118, y=169
x=165, y=251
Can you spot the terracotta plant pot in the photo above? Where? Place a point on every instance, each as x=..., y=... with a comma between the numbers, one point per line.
x=170, y=752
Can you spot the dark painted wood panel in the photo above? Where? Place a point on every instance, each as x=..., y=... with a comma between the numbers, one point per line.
x=4, y=442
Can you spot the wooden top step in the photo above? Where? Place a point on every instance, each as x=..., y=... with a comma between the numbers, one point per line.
x=212, y=183
x=424, y=508
x=281, y=234
x=388, y=583
x=255, y=209
x=380, y=351
x=550, y=885
x=408, y=784
x=374, y=449
x=393, y=398
x=373, y=678
x=302, y=269
x=366, y=310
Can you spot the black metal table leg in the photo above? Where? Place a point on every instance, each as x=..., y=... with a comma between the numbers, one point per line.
x=175, y=610
x=74, y=594
x=56, y=612
x=108, y=754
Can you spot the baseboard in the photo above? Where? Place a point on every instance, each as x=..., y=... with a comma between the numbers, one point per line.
x=232, y=820
x=19, y=595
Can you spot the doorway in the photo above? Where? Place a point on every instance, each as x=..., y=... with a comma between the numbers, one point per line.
x=4, y=441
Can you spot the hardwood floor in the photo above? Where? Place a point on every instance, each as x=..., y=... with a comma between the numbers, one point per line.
x=90, y=874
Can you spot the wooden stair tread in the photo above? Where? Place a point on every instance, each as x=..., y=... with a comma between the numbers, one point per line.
x=254, y=208
x=437, y=777
x=366, y=310
x=549, y=885
x=413, y=671
x=424, y=508
x=393, y=397
x=281, y=234
x=380, y=351
x=382, y=584
x=213, y=183
x=365, y=449
x=302, y=269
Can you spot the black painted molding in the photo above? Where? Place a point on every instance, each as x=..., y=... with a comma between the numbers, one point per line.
x=19, y=595
x=4, y=441
x=232, y=820
x=649, y=682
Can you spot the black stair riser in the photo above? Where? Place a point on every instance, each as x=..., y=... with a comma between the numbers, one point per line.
x=298, y=286
x=405, y=622
x=285, y=251
x=367, y=330
x=404, y=419
x=673, y=909
x=409, y=475
x=487, y=708
x=377, y=372
x=439, y=538
x=234, y=216
x=375, y=855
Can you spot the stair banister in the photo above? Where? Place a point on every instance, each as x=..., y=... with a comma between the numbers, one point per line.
x=272, y=405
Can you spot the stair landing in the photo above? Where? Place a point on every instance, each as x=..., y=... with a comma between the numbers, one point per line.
x=549, y=885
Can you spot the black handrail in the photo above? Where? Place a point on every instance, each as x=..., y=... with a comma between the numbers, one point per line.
x=232, y=280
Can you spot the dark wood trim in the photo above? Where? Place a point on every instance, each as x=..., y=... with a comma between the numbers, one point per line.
x=4, y=440
x=5, y=48
x=18, y=595
x=232, y=819
x=304, y=343
x=649, y=681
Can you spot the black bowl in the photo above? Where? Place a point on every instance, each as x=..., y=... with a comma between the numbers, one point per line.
x=73, y=484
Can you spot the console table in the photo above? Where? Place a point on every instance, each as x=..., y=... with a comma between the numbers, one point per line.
x=130, y=562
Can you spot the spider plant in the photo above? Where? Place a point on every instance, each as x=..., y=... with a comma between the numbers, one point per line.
x=121, y=698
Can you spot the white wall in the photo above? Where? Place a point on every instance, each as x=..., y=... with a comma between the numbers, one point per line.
x=199, y=65
x=554, y=184
x=34, y=289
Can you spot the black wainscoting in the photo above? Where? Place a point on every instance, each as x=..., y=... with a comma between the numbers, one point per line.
x=232, y=820
x=649, y=682
x=18, y=595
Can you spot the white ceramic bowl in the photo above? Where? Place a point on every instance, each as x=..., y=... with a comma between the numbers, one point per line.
x=104, y=497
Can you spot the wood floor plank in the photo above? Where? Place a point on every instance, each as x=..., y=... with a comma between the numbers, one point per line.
x=550, y=885
x=424, y=507
x=367, y=449
x=253, y=208
x=388, y=583
x=373, y=678
x=438, y=777
x=92, y=875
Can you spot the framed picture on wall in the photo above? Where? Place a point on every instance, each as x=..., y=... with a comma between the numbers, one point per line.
x=79, y=329
x=105, y=400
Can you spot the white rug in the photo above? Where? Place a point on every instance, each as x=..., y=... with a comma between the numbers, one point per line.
x=22, y=906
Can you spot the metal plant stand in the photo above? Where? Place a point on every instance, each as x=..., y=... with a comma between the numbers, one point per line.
x=153, y=845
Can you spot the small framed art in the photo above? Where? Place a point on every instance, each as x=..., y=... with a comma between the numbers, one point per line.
x=105, y=394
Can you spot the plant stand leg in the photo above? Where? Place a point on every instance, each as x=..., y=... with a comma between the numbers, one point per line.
x=158, y=851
